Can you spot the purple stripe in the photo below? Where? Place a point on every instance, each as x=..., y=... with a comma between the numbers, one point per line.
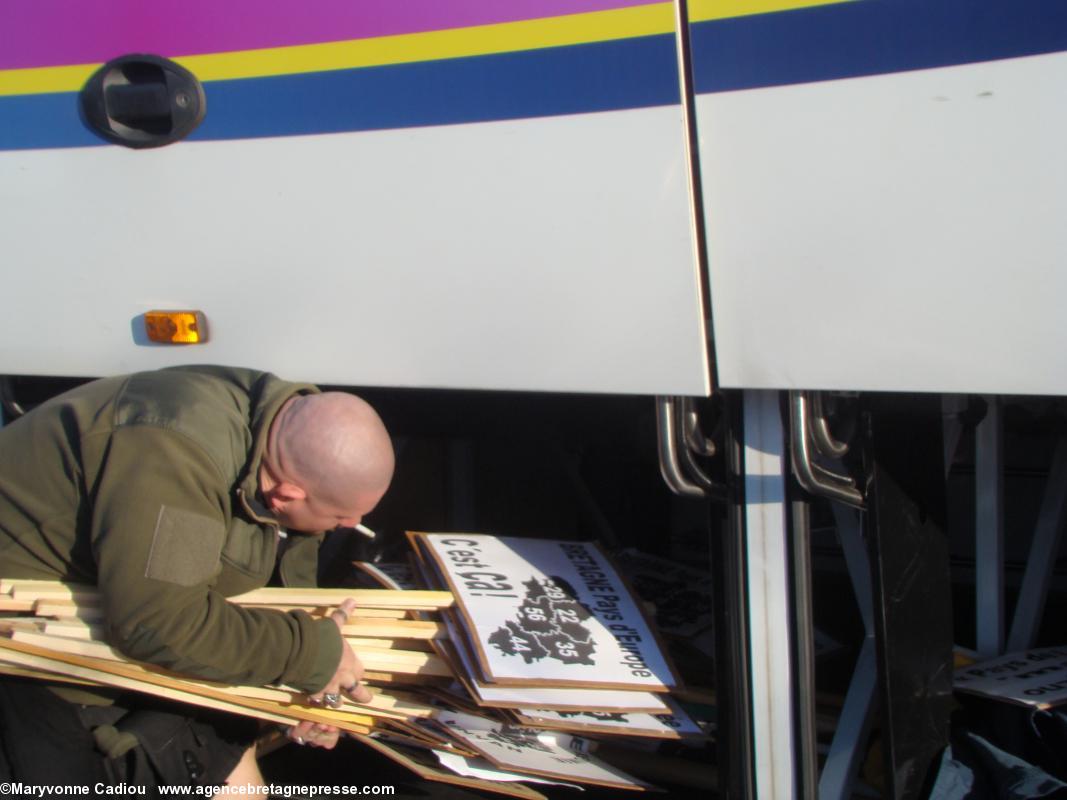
x=39, y=33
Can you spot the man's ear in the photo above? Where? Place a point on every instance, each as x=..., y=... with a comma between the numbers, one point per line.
x=281, y=494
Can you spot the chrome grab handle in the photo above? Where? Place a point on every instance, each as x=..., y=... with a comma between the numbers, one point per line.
x=802, y=433
x=833, y=477
x=669, y=466
x=693, y=437
x=677, y=437
x=825, y=443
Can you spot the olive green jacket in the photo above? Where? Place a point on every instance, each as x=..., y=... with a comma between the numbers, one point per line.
x=145, y=485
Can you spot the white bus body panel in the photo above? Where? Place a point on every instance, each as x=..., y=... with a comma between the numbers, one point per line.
x=550, y=254
x=903, y=232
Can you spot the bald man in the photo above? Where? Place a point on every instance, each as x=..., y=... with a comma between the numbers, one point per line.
x=170, y=491
x=333, y=444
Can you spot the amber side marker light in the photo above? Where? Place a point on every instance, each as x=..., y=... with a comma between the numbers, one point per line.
x=176, y=327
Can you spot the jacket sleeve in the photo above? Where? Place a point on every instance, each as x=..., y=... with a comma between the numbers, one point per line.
x=159, y=508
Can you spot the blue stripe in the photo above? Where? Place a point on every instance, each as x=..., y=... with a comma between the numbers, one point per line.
x=604, y=76
x=870, y=37
x=42, y=120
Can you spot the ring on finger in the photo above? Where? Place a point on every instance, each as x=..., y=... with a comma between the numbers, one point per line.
x=332, y=699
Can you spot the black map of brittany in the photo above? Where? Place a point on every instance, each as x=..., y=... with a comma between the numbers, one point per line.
x=547, y=625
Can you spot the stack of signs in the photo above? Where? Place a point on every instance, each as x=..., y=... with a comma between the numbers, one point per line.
x=1036, y=678
x=545, y=613
x=553, y=659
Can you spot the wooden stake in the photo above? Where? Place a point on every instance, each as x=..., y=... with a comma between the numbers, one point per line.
x=80, y=593
x=11, y=650
x=64, y=609
x=400, y=629
x=324, y=611
x=36, y=674
x=380, y=702
x=43, y=667
x=417, y=600
x=74, y=629
x=411, y=645
x=373, y=676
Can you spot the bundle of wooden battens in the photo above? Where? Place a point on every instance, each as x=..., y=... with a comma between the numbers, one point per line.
x=53, y=631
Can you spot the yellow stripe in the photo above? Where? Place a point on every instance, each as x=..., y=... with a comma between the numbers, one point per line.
x=40, y=80
x=437, y=45
x=704, y=10
x=597, y=26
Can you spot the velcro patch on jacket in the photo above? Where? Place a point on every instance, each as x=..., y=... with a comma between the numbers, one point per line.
x=185, y=547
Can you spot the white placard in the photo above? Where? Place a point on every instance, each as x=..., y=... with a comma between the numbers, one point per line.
x=668, y=726
x=548, y=612
x=481, y=768
x=1033, y=677
x=555, y=697
x=523, y=750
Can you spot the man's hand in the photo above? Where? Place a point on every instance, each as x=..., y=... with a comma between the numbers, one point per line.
x=349, y=672
x=315, y=734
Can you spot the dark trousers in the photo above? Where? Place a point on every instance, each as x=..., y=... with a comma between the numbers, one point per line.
x=46, y=740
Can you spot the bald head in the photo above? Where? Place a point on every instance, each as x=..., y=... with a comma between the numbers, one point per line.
x=333, y=445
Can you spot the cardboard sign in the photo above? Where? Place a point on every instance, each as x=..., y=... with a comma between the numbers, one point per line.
x=675, y=725
x=558, y=698
x=1035, y=678
x=522, y=750
x=546, y=612
x=421, y=762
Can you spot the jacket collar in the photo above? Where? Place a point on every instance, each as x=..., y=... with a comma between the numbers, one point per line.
x=255, y=510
